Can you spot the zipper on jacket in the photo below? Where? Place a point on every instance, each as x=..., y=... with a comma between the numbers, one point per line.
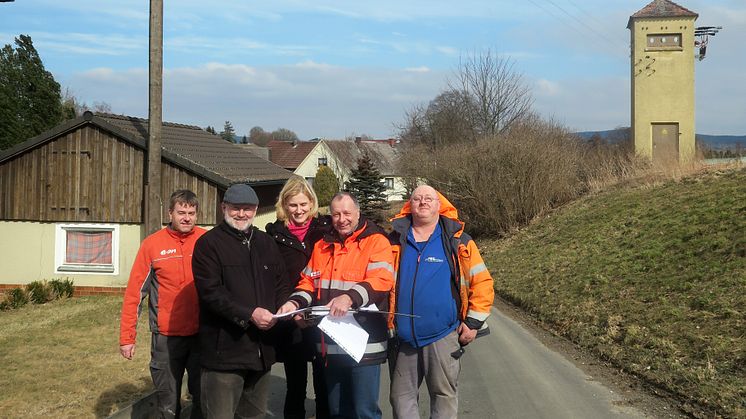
x=414, y=285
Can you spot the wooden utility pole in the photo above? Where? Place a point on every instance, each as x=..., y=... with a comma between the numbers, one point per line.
x=153, y=200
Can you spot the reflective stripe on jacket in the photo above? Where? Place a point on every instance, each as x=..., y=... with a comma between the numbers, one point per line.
x=470, y=275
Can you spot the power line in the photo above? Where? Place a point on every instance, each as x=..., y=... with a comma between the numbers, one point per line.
x=601, y=34
x=575, y=27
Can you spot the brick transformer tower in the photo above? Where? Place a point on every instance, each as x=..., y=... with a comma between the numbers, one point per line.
x=662, y=65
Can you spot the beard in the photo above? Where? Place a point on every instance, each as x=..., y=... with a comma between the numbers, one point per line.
x=240, y=225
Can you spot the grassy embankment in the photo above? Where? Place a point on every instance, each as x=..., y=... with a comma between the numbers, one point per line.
x=61, y=359
x=652, y=278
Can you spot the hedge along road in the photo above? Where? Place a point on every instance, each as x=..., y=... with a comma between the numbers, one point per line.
x=507, y=374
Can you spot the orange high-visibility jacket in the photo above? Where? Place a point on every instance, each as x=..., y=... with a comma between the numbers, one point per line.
x=362, y=268
x=469, y=273
x=162, y=271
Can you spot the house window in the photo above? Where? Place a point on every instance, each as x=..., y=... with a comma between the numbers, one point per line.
x=389, y=182
x=322, y=161
x=310, y=180
x=87, y=248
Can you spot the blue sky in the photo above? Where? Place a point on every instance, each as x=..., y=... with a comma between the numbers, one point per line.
x=337, y=68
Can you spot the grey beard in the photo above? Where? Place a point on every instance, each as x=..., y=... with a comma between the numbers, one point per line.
x=231, y=223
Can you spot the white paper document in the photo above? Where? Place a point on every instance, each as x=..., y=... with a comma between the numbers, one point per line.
x=346, y=332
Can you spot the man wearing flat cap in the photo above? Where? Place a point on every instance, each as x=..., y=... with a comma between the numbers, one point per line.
x=239, y=275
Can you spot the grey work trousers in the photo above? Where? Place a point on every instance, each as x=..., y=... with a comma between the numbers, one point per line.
x=234, y=394
x=169, y=357
x=437, y=367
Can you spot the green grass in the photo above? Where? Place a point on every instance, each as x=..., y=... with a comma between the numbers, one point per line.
x=652, y=278
x=61, y=359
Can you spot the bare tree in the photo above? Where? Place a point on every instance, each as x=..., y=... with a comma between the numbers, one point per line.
x=498, y=91
x=258, y=136
x=284, y=134
x=414, y=129
x=451, y=118
x=73, y=107
x=486, y=96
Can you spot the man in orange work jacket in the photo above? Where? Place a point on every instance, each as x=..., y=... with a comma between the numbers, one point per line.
x=441, y=279
x=350, y=268
x=162, y=271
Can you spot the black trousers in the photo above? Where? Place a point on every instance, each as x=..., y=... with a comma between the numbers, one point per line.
x=170, y=356
x=296, y=375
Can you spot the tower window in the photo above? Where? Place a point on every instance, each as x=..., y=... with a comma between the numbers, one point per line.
x=664, y=41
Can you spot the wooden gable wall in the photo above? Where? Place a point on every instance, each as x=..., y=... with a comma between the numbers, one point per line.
x=89, y=175
x=173, y=178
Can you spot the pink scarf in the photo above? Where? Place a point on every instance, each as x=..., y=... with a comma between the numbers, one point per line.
x=299, y=231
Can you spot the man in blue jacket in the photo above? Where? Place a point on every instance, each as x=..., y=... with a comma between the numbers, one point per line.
x=442, y=281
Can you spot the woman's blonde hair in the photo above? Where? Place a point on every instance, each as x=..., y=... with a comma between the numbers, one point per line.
x=294, y=186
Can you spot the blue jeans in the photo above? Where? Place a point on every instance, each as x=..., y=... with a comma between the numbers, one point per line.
x=353, y=391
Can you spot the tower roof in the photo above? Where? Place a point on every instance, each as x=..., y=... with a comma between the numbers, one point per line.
x=661, y=8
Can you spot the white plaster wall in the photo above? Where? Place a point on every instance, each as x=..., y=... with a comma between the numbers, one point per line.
x=27, y=254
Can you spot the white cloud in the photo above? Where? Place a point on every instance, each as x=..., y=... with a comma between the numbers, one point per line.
x=584, y=104
x=447, y=50
x=547, y=88
x=87, y=43
x=422, y=69
x=313, y=99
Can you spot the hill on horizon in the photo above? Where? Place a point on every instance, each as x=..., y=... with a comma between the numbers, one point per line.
x=710, y=140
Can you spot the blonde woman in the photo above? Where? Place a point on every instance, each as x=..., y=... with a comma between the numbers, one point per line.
x=297, y=228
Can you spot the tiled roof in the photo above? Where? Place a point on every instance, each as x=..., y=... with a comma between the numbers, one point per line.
x=206, y=150
x=382, y=154
x=262, y=152
x=289, y=154
x=663, y=8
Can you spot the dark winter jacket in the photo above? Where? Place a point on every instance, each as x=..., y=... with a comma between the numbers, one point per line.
x=295, y=253
x=234, y=274
x=293, y=342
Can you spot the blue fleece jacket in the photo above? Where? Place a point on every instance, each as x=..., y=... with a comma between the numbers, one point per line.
x=425, y=289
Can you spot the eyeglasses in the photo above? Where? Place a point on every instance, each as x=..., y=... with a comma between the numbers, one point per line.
x=425, y=199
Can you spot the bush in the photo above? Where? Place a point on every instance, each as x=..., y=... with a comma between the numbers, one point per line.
x=501, y=183
x=62, y=289
x=15, y=298
x=39, y=292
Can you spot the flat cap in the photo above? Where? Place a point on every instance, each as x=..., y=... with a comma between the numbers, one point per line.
x=240, y=193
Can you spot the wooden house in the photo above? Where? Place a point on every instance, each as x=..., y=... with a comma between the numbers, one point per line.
x=71, y=199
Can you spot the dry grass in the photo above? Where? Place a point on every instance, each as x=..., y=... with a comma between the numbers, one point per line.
x=61, y=359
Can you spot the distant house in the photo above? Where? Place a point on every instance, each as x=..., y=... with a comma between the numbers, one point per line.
x=71, y=199
x=305, y=157
x=382, y=153
x=291, y=155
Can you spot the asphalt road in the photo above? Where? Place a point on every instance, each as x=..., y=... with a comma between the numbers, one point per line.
x=507, y=374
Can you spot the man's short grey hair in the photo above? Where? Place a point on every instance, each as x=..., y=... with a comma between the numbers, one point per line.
x=340, y=195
